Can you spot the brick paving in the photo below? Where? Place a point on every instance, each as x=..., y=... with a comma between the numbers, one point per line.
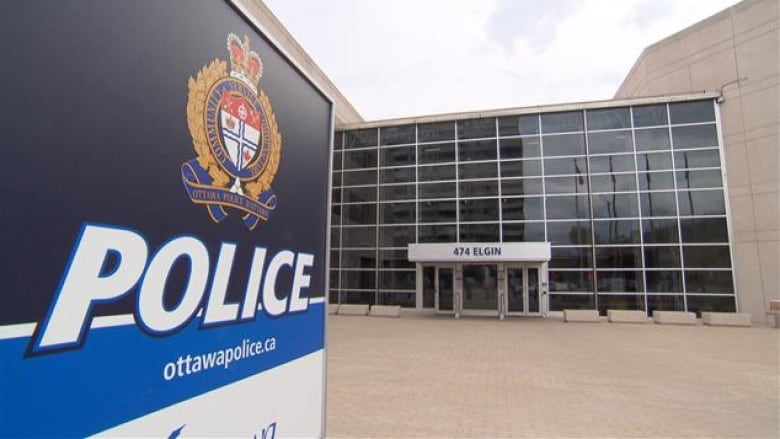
x=480, y=377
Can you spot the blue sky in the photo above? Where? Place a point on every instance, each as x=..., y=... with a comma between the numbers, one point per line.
x=399, y=58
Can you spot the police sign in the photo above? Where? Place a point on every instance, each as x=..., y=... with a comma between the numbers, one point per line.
x=163, y=238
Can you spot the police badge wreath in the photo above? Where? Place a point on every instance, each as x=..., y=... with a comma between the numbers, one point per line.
x=236, y=137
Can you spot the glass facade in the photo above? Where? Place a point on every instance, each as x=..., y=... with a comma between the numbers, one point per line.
x=631, y=199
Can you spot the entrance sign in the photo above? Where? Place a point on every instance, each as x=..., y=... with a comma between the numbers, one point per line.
x=163, y=250
x=480, y=252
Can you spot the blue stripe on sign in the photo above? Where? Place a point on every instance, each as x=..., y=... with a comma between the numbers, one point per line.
x=118, y=375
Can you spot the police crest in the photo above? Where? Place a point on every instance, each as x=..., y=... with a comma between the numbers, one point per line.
x=236, y=138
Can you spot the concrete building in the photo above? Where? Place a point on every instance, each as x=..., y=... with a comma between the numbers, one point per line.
x=666, y=197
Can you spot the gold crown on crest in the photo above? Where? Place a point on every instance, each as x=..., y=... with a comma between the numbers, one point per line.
x=244, y=63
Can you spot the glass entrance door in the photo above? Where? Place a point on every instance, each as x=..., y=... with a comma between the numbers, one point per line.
x=444, y=289
x=480, y=289
x=523, y=292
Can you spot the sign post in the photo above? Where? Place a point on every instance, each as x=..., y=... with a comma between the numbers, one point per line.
x=163, y=238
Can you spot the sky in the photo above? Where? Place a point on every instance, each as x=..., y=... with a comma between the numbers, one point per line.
x=402, y=58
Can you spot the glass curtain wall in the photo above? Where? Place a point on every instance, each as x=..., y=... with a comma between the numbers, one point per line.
x=631, y=199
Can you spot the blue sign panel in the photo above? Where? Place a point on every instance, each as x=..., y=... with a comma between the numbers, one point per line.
x=163, y=234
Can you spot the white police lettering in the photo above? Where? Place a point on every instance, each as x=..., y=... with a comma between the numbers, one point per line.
x=86, y=282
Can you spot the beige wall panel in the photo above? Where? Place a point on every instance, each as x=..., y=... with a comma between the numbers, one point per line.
x=763, y=160
x=714, y=71
x=761, y=108
x=737, y=171
x=754, y=14
x=758, y=58
x=767, y=210
x=742, y=213
x=706, y=37
x=749, y=283
x=731, y=117
x=770, y=265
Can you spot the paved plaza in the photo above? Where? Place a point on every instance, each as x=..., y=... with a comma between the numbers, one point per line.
x=481, y=377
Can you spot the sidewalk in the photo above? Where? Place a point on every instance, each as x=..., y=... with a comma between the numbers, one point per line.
x=481, y=377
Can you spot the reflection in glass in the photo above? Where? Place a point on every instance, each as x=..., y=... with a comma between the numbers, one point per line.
x=477, y=170
x=709, y=282
x=706, y=158
x=521, y=168
x=398, y=175
x=358, y=236
x=696, y=136
x=429, y=286
x=692, y=112
x=397, y=280
x=565, y=166
x=522, y=208
x=559, y=302
x=701, y=203
x=396, y=213
x=479, y=232
x=609, y=118
x=358, y=214
x=575, y=281
x=432, y=132
x=437, y=190
x=652, y=139
x=523, y=232
x=356, y=178
x=518, y=125
x=618, y=257
x=437, y=211
x=397, y=135
x=620, y=301
x=653, y=181
x=514, y=284
x=480, y=287
x=359, y=194
x=649, y=115
x=564, y=144
x=432, y=173
x=398, y=236
x=566, y=185
x=436, y=153
x=666, y=281
x=480, y=188
x=610, y=142
x=479, y=210
x=405, y=300
x=707, y=256
x=614, y=206
x=402, y=192
x=524, y=186
x=395, y=258
x=660, y=231
x=654, y=161
x=613, y=183
x=445, y=289
x=665, y=303
x=438, y=233
x=477, y=150
x=568, y=232
x=571, y=257
x=619, y=281
x=562, y=122
x=397, y=156
x=699, y=179
x=699, y=304
x=363, y=158
x=616, y=231
x=704, y=230
x=658, y=204
x=360, y=138
x=662, y=257
x=476, y=128
x=566, y=207
x=355, y=280
x=612, y=163
x=533, y=290
x=520, y=148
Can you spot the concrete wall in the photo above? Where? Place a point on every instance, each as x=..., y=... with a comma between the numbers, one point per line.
x=734, y=52
x=275, y=30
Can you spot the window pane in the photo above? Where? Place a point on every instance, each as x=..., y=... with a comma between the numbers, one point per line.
x=707, y=256
x=360, y=138
x=667, y=281
x=612, y=163
x=709, y=282
x=609, y=118
x=483, y=188
x=568, y=233
x=692, y=112
x=616, y=232
x=518, y=125
x=662, y=257
x=562, y=122
x=394, y=259
x=524, y=186
x=336, y=179
x=571, y=281
x=337, y=160
x=398, y=236
x=403, y=192
x=623, y=301
x=699, y=179
x=398, y=175
x=559, y=302
x=358, y=237
x=397, y=280
x=336, y=196
x=649, y=115
x=442, y=233
x=620, y=281
x=610, y=142
x=571, y=257
x=335, y=238
x=477, y=150
x=358, y=280
x=520, y=148
x=479, y=233
x=476, y=128
x=397, y=156
x=523, y=232
x=437, y=190
x=697, y=136
x=618, y=257
x=665, y=303
x=359, y=214
x=568, y=207
x=523, y=168
x=564, y=144
x=704, y=230
x=652, y=139
x=658, y=204
x=699, y=304
x=396, y=213
x=653, y=181
x=437, y=211
x=359, y=297
x=659, y=161
x=430, y=173
x=479, y=210
x=701, y=203
x=563, y=166
x=436, y=153
x=359, y=194
x=362, y=158
x=660, y=231
x=431, y=132
x=708, y=158
x=405, y=300
x=615, y=206
x=522, y=208
x=613, y=183
x=566, y=185
x=477, y=170
x=338, y=140
x=397, y=135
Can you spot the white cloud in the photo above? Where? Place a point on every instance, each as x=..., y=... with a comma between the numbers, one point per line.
x=397, y=58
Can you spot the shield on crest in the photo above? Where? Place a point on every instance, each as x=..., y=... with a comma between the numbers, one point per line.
x=240, y=130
